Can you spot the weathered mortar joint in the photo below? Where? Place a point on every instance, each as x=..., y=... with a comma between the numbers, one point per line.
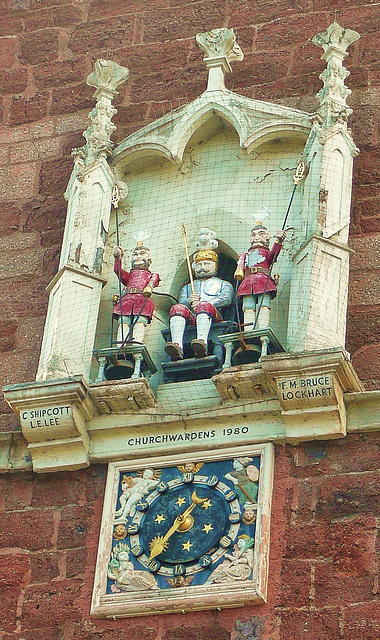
x=53, y=416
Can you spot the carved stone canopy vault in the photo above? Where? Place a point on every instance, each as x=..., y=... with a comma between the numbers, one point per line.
x=255, y=123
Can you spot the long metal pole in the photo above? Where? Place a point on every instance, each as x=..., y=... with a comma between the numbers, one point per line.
x=184, y=235
x=298, y=176
x=115, y=199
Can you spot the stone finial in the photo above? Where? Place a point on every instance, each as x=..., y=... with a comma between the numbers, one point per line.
x=336, y=37
x=106, y=77
x=220, y=47
x=334, y=42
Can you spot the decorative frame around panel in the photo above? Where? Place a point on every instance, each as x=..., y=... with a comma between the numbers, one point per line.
x=185, y=533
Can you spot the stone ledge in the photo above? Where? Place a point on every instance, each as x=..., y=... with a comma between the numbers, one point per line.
x=68, y=424
x=53, y=416
x=109, y=434
x=310, y=388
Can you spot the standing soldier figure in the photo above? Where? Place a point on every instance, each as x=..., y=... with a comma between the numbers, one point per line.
x=135, y=306
x=253, y=270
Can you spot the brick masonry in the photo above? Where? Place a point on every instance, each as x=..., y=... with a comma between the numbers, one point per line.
x=323, y=581
x=323, y=560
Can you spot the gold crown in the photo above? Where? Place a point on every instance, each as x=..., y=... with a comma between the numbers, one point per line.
x=206, y=254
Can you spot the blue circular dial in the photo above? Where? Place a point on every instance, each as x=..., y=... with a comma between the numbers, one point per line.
x=185, y=525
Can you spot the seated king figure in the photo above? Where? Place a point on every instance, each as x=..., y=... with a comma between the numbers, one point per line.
x=203, y=307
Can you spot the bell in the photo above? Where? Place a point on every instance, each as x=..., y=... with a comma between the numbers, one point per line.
x=119, y=368
x=247, y=354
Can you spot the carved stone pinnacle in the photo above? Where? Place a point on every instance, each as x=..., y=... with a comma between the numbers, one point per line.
x=332, y=97
x=106, y=77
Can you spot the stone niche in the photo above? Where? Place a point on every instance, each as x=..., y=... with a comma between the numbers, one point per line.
x=223, y=161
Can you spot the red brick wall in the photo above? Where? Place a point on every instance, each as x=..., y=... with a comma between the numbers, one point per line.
x=323, y=561
x=322, y=583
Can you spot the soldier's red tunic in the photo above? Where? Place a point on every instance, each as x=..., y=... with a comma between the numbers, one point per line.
x=256, y=279
x=133, y=299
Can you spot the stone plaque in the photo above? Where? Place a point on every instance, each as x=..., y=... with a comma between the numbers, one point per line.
x=185, y=533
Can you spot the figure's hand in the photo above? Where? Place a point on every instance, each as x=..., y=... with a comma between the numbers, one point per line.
x=118, y=252
x=239, y=274
x=281, y=235
x=147, y=292
x=194, y=300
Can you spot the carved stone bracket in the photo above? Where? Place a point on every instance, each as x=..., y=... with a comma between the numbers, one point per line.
x=120, y=396
x=220, y=47
x=245, y=382
x=334, y=42
x=106, y=77
x=53, y=416
x=310, y=388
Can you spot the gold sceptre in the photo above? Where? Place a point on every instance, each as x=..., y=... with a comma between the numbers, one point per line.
x=188, y=258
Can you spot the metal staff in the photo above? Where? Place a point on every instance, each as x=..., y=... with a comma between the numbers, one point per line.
x=298, y=176
x=115, y=199
x=245, y=492
x=184, y=235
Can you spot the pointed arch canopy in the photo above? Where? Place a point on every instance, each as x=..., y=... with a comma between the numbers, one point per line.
x=255, y=122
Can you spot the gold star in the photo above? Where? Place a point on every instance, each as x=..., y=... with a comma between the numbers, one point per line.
x=206, y=505
x=181, y=501
x=159, y=518
x=187, y=545
x=207, y=528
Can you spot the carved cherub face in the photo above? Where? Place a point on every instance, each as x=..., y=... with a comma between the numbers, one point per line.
x=259, y=238
x=148, y=474
x=141, y=258
x=204, y=269
x=120, y=532
x=249, y=515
